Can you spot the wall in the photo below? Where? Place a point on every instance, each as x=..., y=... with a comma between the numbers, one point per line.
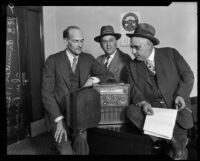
x=176, y=26
x=49, y=23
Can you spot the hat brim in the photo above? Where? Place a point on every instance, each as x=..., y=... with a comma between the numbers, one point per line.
x=154, y=40
x=98, y=38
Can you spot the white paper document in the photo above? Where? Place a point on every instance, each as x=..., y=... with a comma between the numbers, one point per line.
x=161, y=123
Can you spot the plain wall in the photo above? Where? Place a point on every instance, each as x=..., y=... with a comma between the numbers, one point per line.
x=176, y=26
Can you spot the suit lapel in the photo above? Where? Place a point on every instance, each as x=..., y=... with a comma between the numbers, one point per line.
x=114, y=63
x=65, y=68
x=160, y=73
x=142, y=72
x=102, y=59
x=84, y=69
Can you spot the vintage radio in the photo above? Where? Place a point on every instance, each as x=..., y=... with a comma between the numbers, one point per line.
x=114, y=98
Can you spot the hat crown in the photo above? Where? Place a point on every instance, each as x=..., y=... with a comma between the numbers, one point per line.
x=106, y=30
x=146, y=31
x=145, y=28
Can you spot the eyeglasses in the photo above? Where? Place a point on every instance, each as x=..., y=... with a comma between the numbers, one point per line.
x=135, y=47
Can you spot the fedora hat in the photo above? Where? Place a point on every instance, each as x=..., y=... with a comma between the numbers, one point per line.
x=146, y=31
x=107, y=30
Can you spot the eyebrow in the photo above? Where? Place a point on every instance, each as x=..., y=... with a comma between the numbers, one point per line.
x=108, y=39
x=135, y=46
x=77, y=40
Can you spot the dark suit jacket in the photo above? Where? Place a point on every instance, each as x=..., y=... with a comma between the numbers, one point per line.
x=117, y=65
x=174, y=78
x=56, y=81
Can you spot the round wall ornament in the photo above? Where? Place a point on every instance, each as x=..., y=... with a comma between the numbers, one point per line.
x=130, y=21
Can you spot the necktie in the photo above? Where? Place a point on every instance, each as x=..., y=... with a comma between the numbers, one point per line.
x=106, y=62
x=150, y=66
x=74, y=64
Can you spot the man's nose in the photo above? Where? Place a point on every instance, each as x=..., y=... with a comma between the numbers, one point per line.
x=80, y=44
x=109, y=43
x=134, y=51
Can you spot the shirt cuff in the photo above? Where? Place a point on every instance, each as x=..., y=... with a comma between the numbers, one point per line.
x=95, y=80
x=140, y=103
x=58, y=118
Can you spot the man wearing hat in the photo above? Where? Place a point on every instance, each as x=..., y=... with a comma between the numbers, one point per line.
x=113, y=59
x=159, y=77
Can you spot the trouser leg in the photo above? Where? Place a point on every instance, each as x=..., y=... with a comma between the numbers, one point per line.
x=80, y=144
x=135, y=115
x=179, y=132
x=179, y=142
x=64, y=147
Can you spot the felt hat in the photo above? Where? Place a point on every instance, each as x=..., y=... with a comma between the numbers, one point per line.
x=146, y=31
x=107, y=30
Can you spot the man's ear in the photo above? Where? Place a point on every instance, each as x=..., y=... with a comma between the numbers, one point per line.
x=66, y=41
x=101, y=45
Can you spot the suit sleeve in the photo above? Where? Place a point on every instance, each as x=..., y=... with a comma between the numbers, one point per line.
x=136, y=95
x=186, y=82
x=101, y=72
x=124, y=71
x=48, y=83
x=99, y=59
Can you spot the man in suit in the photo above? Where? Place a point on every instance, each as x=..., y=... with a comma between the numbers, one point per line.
x=113, y=59
x=65, y=73
x=166, y=82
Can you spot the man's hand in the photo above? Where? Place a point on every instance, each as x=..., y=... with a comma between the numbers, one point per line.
x=146, y=107
x=89, y=82
x=60, y=131
x=179, y=103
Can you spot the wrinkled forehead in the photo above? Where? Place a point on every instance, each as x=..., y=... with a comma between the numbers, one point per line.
x=76, y=34
x=138, y=40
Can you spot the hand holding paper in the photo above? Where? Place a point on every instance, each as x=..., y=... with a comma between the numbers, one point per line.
x=146, y=107
x=179, y=103
x=161, y=124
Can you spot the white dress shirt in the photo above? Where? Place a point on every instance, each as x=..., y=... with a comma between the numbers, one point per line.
x=71, y=57
x=110, y=59
x=151, y=57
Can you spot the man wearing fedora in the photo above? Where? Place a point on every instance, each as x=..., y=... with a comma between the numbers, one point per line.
x=113, y=59
x=159, y=77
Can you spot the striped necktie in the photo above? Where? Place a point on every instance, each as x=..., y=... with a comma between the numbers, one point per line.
x=74, y=64
x=150, y=66
x=106, y=62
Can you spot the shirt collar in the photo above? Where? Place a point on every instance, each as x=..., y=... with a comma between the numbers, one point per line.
x=112, y=56
x=70, y=55
x=151, y=57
